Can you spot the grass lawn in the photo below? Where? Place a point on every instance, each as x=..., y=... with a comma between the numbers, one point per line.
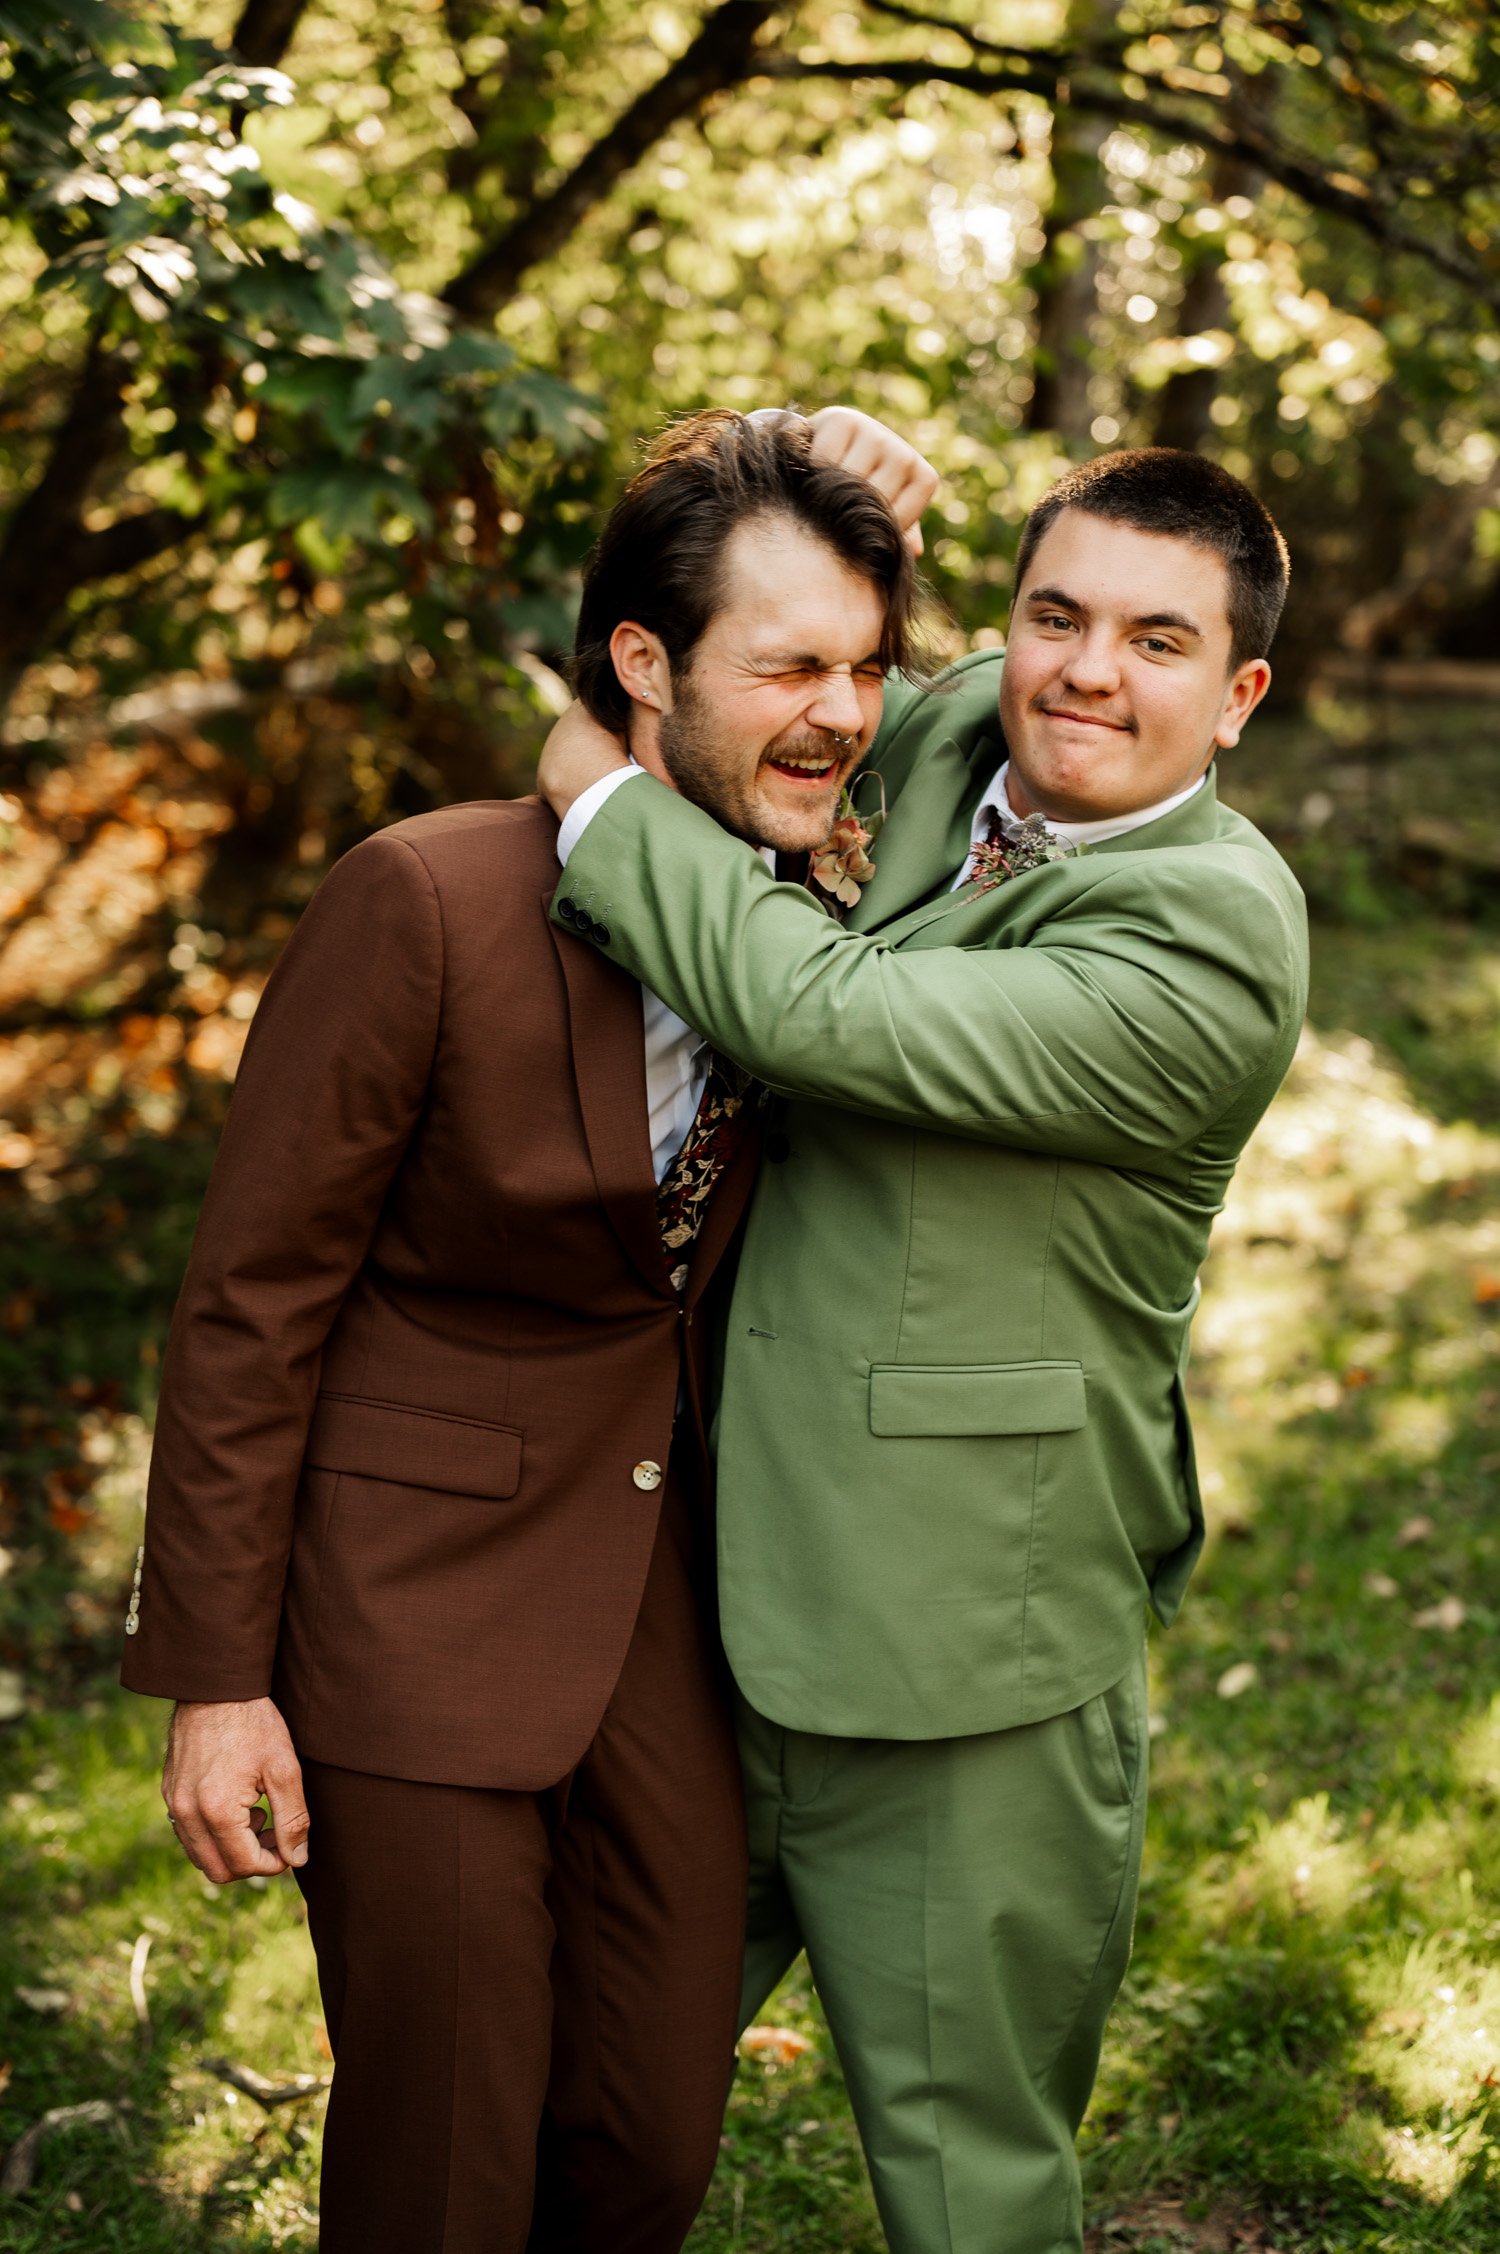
x=1307, y=2057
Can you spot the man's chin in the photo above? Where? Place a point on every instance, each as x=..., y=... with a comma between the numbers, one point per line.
x=795, y=828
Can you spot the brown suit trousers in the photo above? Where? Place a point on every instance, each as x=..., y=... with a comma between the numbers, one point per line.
x=533, y=1997
x=417, y=1409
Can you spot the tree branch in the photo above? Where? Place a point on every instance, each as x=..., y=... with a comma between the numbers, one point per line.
x=36, y=574
x=265, y=30
x=127, y=544
x=723, y=53
x=1047, y=77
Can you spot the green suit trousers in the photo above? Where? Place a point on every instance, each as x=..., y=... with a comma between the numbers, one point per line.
x=966, y=1905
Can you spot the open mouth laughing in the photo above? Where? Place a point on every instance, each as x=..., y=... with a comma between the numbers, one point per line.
x=812, y=764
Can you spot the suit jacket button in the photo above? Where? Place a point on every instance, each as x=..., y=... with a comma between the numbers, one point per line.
x=601, y=934
x=567, y=911
x=647, y=1475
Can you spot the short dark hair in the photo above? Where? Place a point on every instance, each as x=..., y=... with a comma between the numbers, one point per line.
x=659, y=559
x=1185, y=496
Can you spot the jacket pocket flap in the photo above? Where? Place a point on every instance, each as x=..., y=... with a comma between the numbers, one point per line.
x=982, y=1399
x=413, y=1447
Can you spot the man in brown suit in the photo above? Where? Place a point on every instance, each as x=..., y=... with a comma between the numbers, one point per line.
x=428, y=1534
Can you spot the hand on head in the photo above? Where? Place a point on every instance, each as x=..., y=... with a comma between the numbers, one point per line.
x=905, y=480
x=581, y=751
x=220, y=1759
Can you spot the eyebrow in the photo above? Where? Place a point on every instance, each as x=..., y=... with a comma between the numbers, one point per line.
x=805, y=661
x=1055, y=598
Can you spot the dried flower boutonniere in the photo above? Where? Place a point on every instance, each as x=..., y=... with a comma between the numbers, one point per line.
x=1031, y=846
x=842, y=865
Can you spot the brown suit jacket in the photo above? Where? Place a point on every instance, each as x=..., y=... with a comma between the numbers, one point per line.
x=427, y=1333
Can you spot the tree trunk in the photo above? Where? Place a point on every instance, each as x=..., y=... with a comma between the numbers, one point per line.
x=1184, y=409
x=265, y=30
x=1066, y=276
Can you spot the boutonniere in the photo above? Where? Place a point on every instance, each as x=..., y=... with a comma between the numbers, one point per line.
x=1032, y=846
x=842, y=864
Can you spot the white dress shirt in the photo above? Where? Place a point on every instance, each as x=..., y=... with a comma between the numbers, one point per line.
x=996, y=800
x=676, y=1056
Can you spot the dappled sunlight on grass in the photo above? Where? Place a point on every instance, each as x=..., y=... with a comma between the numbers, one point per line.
x=1301, y=1865
x=1313, y=2014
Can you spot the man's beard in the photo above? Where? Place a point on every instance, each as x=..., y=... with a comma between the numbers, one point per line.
x=708, y=768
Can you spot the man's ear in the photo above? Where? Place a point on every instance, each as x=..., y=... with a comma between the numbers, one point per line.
x=1246, y=688
x=641, y=665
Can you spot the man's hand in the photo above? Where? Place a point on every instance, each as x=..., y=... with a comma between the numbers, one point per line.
x=905, y=479
x=578, y=753
x=220, y=1759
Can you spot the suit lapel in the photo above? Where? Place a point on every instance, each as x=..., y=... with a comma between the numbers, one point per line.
x=1194, y=823
x=926, y=834
x=609, y=1070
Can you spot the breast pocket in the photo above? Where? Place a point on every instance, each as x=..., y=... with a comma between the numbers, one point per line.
x=975, y=1400
x=410, y=1447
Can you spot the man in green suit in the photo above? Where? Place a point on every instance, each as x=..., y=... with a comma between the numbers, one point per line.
x=954, y=1464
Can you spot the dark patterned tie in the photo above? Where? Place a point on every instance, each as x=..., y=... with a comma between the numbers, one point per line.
x=722, y=1124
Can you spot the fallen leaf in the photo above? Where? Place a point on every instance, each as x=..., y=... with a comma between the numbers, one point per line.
x=1418, y=1529
x=1486, y=1290
x=1239, y=1678
x=777, y=2046
x=1381, y=1585
x=68, y=1516
x=1449, y=1613
x=1354, y=1377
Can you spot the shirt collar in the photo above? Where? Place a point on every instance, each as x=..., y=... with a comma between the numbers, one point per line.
x=997, y=800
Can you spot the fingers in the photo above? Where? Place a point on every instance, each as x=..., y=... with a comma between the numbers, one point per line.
x=290, y=1822
x=220, y=1759
x=865, y=448
x=225, y=1842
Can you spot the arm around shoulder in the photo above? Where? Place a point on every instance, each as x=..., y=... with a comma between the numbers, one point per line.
x=1112, y=1025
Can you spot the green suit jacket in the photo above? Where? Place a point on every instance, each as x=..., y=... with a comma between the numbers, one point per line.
x=954, y=1462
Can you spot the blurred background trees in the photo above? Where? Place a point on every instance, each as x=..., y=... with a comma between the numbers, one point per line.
x=328, y=326
x=328, y=329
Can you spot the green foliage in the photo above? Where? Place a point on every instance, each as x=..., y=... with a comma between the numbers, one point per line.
x=277, y=382
x=351, y=476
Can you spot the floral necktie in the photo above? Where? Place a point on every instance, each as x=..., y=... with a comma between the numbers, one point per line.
x=722, y=1124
